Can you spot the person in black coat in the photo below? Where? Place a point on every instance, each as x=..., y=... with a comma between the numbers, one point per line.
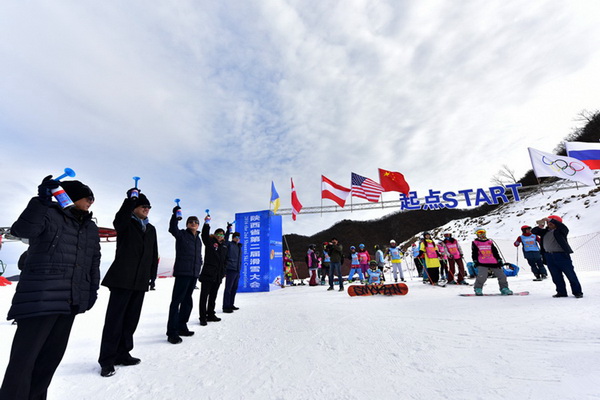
x=59, y=279
x=556, y=252
x=213, y=271
x=233, y=266
x=188, y=261
x=128, y=278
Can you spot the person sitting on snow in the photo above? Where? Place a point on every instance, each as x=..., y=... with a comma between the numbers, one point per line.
x=374, y=274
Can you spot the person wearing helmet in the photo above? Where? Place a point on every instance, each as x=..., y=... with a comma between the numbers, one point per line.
x=312, y=262
x=394, y=254
x=380, y=260
x=374, y=274
x=531, y=251
x=486, y=256
x=429, y=251
x=325, y=263
x=557, y=252
x=354, y=265
x=363, y=258
x=417, y=259
x=455, y=258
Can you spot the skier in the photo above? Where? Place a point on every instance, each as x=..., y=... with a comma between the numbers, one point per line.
x=531, y=251
x=354, y=265
x=312, y=263
x=374, y=274
x=429, y=251
x=363, y=258
x=325, y=263
x=380, y=259
x=486, y=257
x=455, y=257
x=443, y=260
x=287, y=268
x=416, y=253
x=557, y=253
x=394, y=254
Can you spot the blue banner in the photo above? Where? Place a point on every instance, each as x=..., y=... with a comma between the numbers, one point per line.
x=262, y=251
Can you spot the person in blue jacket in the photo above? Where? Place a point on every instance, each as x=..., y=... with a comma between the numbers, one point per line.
x=188, y=262
x=374, y=274
x=59, y=279
x=233, y=266
x=557, y=253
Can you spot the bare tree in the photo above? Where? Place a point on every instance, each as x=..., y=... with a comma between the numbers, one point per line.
x=504, y=176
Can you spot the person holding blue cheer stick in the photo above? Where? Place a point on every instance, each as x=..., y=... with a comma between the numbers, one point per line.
x=59, y=280
x=188, y=262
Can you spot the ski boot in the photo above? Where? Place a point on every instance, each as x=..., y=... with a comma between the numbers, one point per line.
x=478, y=292
x=505, y=291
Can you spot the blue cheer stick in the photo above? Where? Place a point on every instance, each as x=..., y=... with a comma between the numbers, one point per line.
x=177, y=202
x=68, y=172
x=207, y=212
x=136, y=179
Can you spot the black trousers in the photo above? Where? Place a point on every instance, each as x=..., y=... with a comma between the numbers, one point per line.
x=232, y=280
x=122, y=317
x=181, y=304
x=208, y=298
x=37, y=349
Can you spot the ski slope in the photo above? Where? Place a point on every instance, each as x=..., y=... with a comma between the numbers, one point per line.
x=307, y=343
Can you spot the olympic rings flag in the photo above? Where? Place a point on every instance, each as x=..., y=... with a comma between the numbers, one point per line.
x=547, y=164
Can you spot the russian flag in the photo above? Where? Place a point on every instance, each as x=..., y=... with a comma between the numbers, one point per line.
x=589, y=153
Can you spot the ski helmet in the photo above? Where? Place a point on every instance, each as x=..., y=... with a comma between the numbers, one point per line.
x=525, y=227
x=352, y=248
x=373, y=264
x=361, y=246
x=480, y=231
x=392, y=241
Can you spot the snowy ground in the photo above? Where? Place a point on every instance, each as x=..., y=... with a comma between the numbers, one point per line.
x=307, y=343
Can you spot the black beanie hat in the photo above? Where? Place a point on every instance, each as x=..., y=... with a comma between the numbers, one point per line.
x=192, y=218
x=142, y=200
x=76, y=190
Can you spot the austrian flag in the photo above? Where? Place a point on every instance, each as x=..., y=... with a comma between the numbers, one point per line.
x=332, y=191
x=296, y=205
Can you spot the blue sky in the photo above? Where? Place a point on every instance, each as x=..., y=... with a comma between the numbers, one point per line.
x=210, y=101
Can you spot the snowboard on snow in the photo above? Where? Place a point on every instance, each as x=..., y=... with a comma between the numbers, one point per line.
x=496, y=294
x=390, y=289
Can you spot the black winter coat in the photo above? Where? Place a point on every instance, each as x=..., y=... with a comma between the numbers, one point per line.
x=136, y=257
x=188, y=251
x=215, y=257
x=560, y=234
x=234, y=254
x=62, y=269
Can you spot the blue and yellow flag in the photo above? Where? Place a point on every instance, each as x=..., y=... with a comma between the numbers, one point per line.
x=274, y=198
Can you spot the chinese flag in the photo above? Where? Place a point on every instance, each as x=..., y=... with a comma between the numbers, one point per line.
x=393, y=181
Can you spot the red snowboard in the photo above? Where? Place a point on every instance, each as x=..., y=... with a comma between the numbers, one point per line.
x=370, y=290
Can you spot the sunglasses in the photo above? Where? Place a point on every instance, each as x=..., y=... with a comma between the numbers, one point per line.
x=193, y=221
x=146, y=207
x=219, y=235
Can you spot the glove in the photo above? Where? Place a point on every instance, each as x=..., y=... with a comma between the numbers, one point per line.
x=229, y=226
x=45, y=189
x=175, y=209
x=131, y=190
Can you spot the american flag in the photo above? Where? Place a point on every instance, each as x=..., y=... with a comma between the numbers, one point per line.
x=366, y=188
